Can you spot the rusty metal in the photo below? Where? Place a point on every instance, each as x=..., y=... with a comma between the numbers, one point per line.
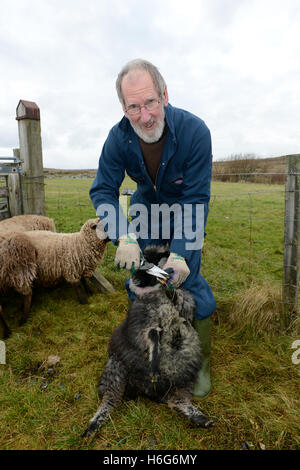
x=32, y=111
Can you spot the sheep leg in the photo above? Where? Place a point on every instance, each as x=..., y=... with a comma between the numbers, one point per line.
x=112, y=385
x=26, y=308
x=87, y=288
x=80, y=294
x=181, y=400
x=154, y=352
x=6, y=329
x=109, y=401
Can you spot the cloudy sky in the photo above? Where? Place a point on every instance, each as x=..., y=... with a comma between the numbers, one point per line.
x=234, y=63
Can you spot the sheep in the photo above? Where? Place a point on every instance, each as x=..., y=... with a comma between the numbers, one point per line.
x=19, y=223
x=46, y=258
x=155, y=351
x=68, y=256
x=23, y=223
x=17, y=269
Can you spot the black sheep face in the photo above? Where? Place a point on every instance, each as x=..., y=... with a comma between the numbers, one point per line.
x=156, y=254
x=142, y=282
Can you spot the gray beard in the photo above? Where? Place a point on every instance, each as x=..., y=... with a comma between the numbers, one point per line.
x=157, y=133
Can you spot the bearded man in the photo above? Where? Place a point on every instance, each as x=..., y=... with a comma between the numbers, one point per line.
x=167, y=152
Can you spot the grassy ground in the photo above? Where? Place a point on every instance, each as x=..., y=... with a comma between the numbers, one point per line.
x=255, y=385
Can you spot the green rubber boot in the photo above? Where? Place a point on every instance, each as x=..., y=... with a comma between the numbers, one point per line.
x=203, y=383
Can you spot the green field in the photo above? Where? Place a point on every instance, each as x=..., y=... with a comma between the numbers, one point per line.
x=255, y=385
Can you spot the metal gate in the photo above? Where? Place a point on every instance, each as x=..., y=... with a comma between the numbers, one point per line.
x=8, y=166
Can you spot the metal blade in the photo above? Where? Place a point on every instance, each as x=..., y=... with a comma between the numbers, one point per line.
x=158, y=272
x=153, y=270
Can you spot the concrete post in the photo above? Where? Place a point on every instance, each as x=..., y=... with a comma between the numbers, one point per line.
x=33, y=193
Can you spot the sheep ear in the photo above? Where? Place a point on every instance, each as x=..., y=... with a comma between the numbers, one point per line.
x=94, y=226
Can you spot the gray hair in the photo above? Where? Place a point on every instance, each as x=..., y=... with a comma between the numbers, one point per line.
x=159, y=82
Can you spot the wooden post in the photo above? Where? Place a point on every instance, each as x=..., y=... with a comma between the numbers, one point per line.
x=4, y=210
x=291, y=241
x=15, y=190
x=33, y=193
x=101, y=284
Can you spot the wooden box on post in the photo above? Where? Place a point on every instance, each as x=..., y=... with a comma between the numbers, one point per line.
x=33, y=193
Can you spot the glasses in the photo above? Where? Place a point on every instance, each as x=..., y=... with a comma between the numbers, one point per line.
x=150, y=105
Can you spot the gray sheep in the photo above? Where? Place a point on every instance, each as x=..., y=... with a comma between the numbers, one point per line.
x=46, y=258
x=155, y=351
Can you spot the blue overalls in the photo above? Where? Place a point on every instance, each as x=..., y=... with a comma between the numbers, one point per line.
x=183, y=177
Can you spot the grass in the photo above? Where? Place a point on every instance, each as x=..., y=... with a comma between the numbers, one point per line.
x=255, y=385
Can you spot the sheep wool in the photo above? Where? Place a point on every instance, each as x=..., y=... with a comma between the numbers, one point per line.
x=155, y=352
x=17, y=262
x=67, y=256
x=23, y=223
x=17, y=270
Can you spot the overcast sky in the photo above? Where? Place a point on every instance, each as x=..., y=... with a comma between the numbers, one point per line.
x=234, y=63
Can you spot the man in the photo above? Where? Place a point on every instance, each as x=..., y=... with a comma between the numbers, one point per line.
x=167, y=152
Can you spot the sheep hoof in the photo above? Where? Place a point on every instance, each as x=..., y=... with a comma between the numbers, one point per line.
x=6, y=333
x=202, y=421
x=90, y=429
x=86, y=433
x=209, y=423
x=6, y=329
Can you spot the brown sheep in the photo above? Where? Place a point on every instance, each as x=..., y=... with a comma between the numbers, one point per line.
x=46, y=258
x=23, y=223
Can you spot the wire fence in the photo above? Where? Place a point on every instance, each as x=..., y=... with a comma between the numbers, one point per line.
x=264, y=224
x=245, y=228
x=245, y=241
x=253, y=177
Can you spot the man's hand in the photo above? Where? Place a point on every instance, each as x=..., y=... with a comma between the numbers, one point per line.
x=180, y=269
x=128, y=253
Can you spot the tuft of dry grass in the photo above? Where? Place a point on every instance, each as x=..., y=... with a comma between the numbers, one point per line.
x=258, y=309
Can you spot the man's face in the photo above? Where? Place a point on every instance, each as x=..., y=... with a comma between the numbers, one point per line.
x=137, y=88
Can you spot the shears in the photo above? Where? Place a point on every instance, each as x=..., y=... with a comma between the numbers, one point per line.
x=150, y=268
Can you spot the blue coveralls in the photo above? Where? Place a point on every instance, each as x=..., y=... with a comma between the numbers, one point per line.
x=183, y=177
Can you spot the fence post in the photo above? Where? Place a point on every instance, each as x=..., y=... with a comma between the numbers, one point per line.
x=291, y=241
x=15, y=190
x=32, y=179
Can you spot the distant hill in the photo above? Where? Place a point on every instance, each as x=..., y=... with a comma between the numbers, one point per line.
x=220, y=169
x=259, y=170
x=266, y=165
x=76, y=173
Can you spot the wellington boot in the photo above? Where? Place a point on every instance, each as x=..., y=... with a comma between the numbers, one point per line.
x=203, y=383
